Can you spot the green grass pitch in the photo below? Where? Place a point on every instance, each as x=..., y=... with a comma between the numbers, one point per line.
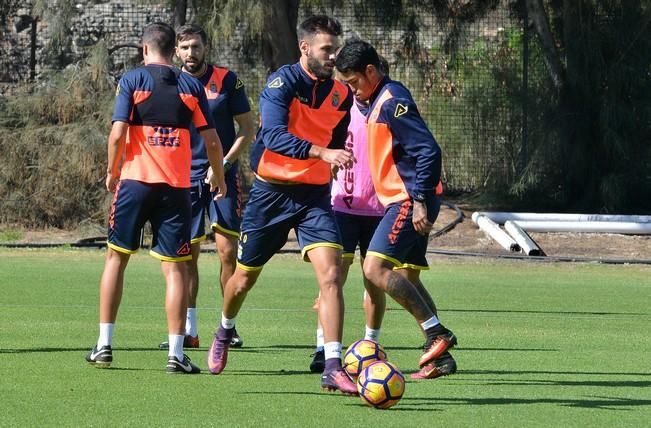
x=540, y=344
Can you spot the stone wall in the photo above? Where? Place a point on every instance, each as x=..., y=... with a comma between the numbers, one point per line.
x=115, y=23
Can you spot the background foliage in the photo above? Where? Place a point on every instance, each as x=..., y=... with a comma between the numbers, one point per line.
x=515, y=129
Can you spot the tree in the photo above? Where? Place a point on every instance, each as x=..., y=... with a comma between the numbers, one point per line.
x=180, y=11
x=597, y=54
x=267, y=28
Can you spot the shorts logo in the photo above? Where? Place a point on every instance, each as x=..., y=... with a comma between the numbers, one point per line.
x=184, y=250
x=276, y=83
x=239, y=84
x=400, y=110
x=399, y=222
x=335, y=99
x=240, y=245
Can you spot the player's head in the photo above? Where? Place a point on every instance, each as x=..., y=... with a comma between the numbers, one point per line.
x=360, y=67
x=158, y=40
x=318, y=41
x=191, y=47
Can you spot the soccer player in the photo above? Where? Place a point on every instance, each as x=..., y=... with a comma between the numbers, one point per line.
x=228, y=105
x=149, y=159
x=405, y=164
x=304, y=120
x=357, y=212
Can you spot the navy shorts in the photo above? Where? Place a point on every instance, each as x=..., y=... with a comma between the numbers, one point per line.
x=200, y=195
x=356, y=230
x=397, y=241
x=273, y=210
x=225, y=215
x=168, y=210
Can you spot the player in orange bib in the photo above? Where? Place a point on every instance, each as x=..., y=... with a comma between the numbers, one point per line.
x=405, y=163
x=149, y=173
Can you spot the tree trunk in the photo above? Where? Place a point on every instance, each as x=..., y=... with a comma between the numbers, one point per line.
x=538, y=17
x=180, y=10
x=279, y=39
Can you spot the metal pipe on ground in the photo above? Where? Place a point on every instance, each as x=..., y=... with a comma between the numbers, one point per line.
x=624, y=228
x=503, y=217
x=493, y=230
x=528, y=246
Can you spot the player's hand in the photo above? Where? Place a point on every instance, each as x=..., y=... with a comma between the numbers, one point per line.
x=218, y=186
x=112, y=183
x=208, y=175
x=334, y=170
x=338, y=157
x=419, y=217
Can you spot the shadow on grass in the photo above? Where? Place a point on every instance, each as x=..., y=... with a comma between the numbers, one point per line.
x=429, y=404
x=606, y=403
x=551, y=372
x=63, y=349
x=265, y=373
x=517, y=311
x=542, y=382
x=471, y=348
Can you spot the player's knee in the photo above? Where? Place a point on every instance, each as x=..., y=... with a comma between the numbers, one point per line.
x=372, y=273
x=330, y=280
x=227, y=253
x=241, y=282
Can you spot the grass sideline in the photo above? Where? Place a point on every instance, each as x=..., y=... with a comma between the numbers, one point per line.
x=539, y=345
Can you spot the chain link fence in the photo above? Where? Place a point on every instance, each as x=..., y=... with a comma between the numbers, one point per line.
x=467, y=77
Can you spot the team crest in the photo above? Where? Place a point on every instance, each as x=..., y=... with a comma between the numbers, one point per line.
x=276, y=83
x=213, y=86
x=335, y=99
x=400, y=110
x=239, y=84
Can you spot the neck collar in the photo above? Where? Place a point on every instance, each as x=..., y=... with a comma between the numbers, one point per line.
x=378, y=87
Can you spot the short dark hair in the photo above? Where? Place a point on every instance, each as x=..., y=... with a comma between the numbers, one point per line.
x=160, y=36
x=319, y=24
x=190, y=30
x=355, y=56
x=384, y=65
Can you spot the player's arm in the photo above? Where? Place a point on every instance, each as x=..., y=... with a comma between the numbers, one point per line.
x=116, y=142
x=244, y=137
x=238, y=103
x=119, y=129
x=215, y=158
x=408, y=127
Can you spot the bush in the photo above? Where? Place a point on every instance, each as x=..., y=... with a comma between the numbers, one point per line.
x=53, y=149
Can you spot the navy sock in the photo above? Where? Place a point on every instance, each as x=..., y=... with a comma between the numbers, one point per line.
x=332, y=364
x=432, y=332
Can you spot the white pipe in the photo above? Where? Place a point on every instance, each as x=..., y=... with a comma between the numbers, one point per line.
x=494, y=231
x=626, y=228
x=523, y=239
x=503, y=217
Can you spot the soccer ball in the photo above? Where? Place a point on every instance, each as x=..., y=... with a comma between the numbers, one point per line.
x=360, y=355
x=381, y=385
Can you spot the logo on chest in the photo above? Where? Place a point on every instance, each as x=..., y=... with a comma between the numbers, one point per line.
x=335, y=99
